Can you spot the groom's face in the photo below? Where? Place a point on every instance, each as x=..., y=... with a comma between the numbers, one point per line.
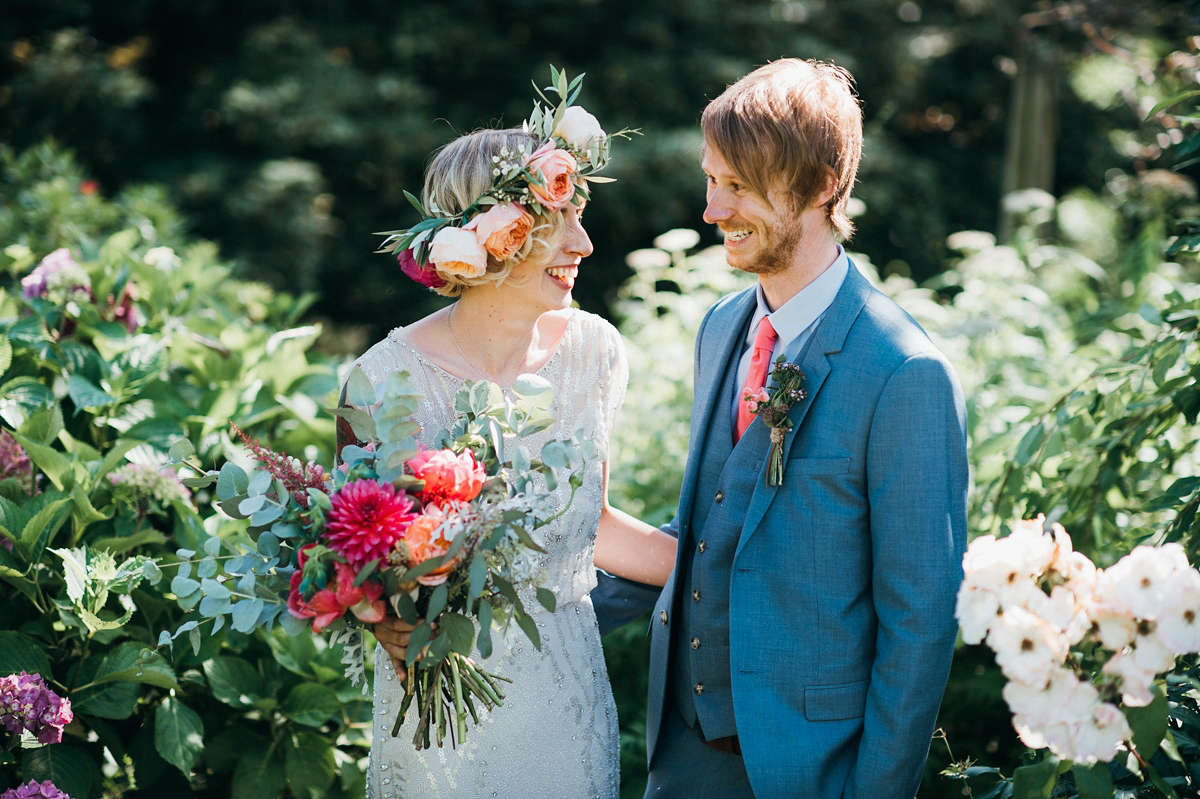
x=762, y=234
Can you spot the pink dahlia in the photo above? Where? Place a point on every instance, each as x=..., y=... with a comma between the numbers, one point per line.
x=367, y=519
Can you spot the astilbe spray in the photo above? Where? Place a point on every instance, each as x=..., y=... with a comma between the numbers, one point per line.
x=295, y=476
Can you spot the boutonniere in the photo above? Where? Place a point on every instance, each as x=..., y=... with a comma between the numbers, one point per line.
x=773, y=405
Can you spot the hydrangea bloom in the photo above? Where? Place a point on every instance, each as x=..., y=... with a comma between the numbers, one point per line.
x=59, y=279
x=35, y=790
x=14, y=462
x=1032, y=598
x=27, y=704
x=368, y=517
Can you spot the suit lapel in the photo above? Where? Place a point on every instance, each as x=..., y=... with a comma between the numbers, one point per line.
x=828, y=339
x=720, y=342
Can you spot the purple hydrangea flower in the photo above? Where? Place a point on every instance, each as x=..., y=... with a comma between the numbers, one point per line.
x=14, y=463
x=27, y=704
x=34, y=790
x=58, y=278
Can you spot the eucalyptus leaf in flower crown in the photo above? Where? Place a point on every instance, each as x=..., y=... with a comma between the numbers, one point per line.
x=442, y=538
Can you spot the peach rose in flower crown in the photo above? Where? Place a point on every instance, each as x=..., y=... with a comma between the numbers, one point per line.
x=448, y=476
x=458, y=252
x=578, y=128
x=423, y=541
x=557, y=169
x=502, y=229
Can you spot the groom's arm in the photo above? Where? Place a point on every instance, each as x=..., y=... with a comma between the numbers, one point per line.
x=917, y=477
x=619, y=601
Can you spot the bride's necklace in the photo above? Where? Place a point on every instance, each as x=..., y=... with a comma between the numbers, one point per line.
x=457, y=346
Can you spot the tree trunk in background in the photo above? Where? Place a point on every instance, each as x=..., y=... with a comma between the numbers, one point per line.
x=1032, y=124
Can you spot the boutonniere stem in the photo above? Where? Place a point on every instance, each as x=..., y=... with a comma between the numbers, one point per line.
x=773, y=404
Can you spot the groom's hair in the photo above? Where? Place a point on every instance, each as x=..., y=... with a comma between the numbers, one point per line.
x=784, y=125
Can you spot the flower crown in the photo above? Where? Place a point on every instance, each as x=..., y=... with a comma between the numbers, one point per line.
x=539, y=180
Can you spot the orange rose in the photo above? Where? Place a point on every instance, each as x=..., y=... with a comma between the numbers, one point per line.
x=557, y=170
x=424, y=542
x=502, y=229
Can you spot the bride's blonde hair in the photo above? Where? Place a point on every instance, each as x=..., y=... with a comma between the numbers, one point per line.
x=458, y=174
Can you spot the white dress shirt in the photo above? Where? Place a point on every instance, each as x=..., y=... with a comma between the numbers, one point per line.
x=794, y=321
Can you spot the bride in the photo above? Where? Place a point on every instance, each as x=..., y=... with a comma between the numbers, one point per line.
x=510, y=252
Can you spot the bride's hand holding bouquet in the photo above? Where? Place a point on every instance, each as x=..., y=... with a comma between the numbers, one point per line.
x=442, y=539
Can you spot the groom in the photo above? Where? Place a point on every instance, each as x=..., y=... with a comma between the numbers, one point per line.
x=802, y=645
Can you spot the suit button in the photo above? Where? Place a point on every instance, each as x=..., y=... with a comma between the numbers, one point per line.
x=695, y=598
x=698, y=688
x=720, y=496
x=663, y=617
x=703, y=545
x=695, y=643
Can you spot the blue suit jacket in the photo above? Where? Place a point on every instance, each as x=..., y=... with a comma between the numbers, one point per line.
x=843, y=583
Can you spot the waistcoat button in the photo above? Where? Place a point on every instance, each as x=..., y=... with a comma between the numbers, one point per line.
x=695, y=643
x=698, y=688
x=703, y=545
x=663, y=617
x=695, y=598
x=720, y=496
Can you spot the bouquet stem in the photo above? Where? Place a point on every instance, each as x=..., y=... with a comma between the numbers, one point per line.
x=444, y=695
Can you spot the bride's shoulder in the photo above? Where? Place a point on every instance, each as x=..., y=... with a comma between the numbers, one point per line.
x=599, y=340
x=391, y=352
x=592, y=326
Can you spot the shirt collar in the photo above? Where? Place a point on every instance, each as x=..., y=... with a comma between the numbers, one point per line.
x=808, y=305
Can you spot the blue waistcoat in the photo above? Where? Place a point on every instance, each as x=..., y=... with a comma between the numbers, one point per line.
x=702, y=685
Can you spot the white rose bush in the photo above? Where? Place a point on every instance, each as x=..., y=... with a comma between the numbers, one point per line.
x=1083, y=649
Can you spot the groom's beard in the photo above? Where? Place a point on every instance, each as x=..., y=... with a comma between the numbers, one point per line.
x=778, y=249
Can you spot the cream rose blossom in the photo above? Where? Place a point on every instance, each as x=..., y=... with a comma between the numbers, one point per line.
x=578, y=128
x=456, y=251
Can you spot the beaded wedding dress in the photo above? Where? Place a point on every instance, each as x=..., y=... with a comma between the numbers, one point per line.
x=555, y=736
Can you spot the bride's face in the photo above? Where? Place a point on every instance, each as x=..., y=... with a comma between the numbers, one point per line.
x=549, y=276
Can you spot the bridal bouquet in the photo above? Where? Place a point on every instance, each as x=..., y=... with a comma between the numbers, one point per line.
x=444, y=537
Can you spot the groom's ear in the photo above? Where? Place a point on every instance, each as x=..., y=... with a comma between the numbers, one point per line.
x=827, y=191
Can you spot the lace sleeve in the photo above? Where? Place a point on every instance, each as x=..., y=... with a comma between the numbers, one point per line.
x=614, y=380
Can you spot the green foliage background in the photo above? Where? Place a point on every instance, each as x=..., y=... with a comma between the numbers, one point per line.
x=285, y=131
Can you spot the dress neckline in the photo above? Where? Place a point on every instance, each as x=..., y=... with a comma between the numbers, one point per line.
x=554, y=355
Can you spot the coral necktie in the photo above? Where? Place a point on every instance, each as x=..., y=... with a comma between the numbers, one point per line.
x=756, y=378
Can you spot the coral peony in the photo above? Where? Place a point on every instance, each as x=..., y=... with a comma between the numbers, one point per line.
x=447, y=476
x=367, y=519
